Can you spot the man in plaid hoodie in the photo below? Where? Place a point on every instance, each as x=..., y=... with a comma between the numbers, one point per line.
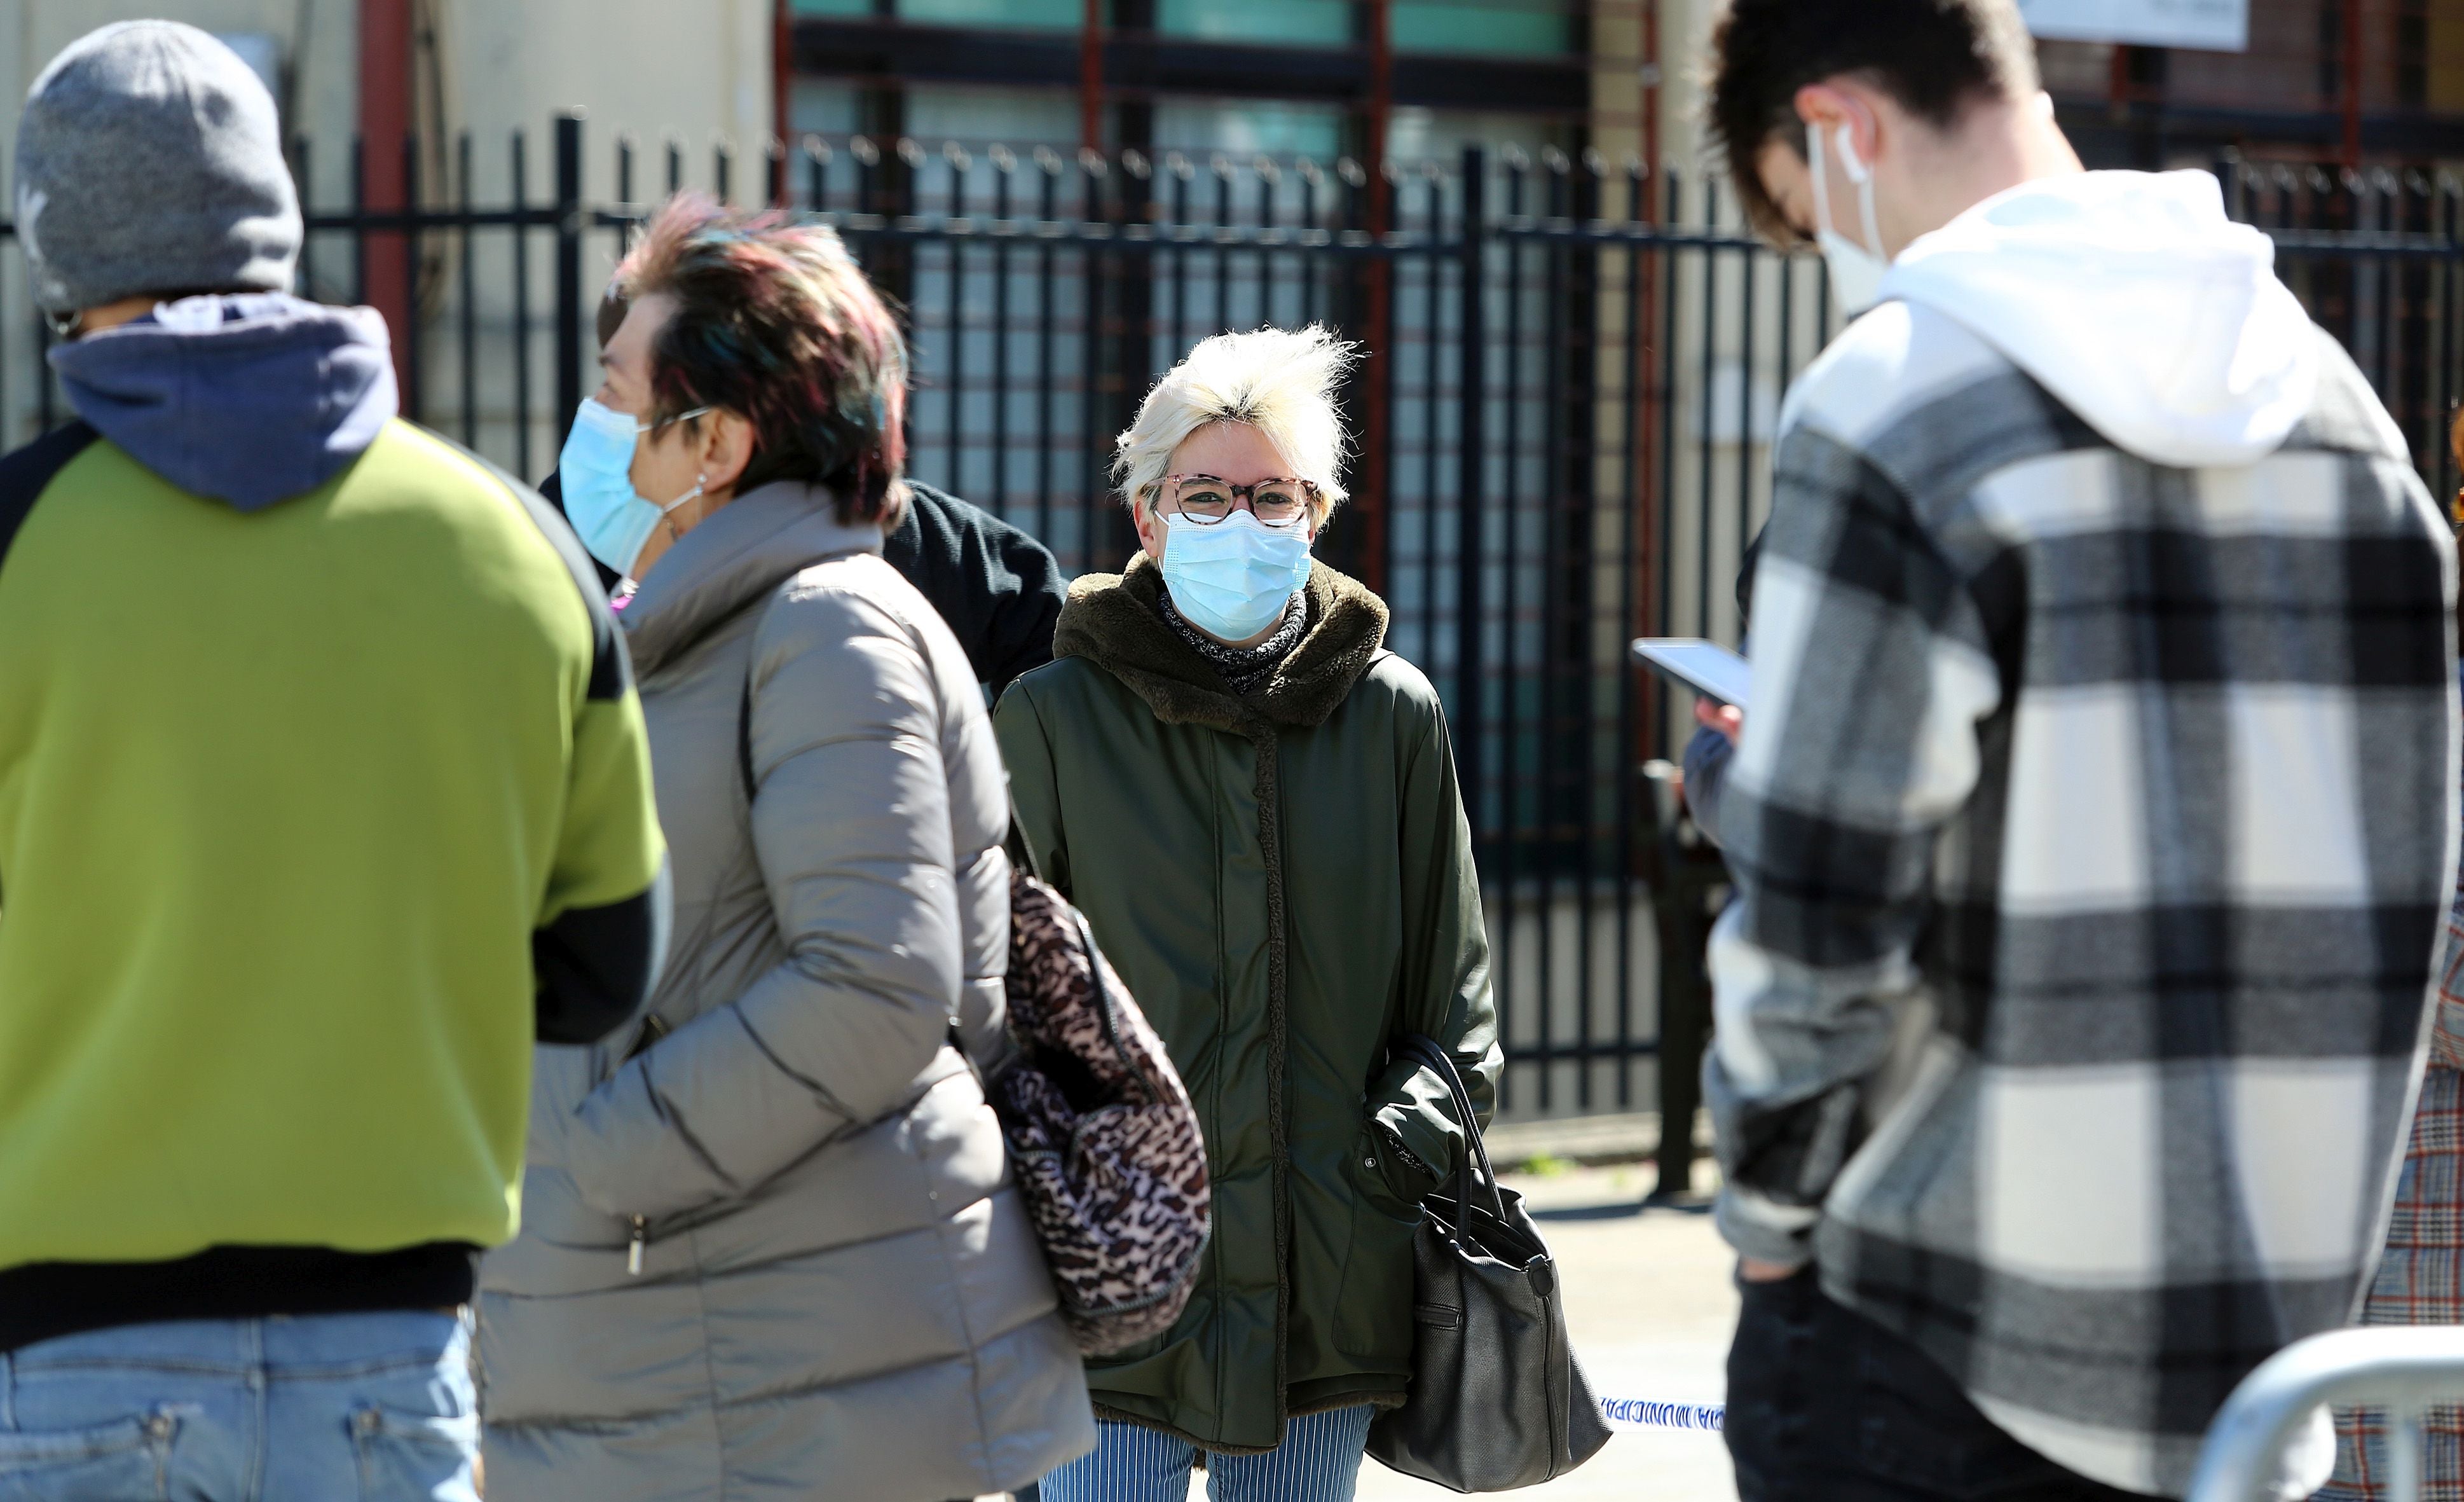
x=2094, y=817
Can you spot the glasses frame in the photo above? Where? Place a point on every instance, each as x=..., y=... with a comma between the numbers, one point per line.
x=640, y=427
x=1243, y=496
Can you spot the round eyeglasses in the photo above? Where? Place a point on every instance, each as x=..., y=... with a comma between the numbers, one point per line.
x=1208, y=498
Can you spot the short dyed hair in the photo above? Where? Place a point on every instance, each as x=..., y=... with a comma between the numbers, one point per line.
x=1934, y=58
x=1281, y=382
x=775, y=322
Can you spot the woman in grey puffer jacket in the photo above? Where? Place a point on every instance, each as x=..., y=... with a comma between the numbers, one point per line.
x=769, y=1246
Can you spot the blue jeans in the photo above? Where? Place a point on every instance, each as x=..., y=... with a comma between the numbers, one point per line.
x=1319, y=1461
x=316, y=1409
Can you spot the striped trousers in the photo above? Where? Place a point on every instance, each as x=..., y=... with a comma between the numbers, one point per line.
x=1319, y=1461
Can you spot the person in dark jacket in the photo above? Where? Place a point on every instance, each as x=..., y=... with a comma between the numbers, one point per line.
x=324, y=792
x=998, y=588
x=1255, y=805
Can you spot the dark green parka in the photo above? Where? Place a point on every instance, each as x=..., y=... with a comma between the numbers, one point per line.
x=1284, y=882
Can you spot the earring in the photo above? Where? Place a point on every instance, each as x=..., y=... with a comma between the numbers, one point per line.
x=668, y=516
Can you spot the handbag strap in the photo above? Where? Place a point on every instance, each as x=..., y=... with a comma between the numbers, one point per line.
x=1430, y=1055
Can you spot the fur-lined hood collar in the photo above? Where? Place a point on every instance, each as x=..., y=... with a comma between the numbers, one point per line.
x=1114, y=622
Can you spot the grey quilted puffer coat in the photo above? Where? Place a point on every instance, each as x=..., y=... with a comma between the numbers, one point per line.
x=839, y=1295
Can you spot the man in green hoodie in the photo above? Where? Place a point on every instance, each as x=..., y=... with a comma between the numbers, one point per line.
x=323, y=790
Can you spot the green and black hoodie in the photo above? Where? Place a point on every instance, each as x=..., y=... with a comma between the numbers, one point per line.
x=324, y=792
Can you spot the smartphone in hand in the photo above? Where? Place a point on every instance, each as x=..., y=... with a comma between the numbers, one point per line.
x=1705, y=666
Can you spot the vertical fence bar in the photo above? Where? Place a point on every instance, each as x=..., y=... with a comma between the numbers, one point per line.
x=1507, y=508
x=1584, y=468
x=953, y=360
x=47, y=409
x=1787, y=366
x=1630, y=623
x=522, y=307
x=1472, y=340
x=1222, y=251
x=1092, y=262
x=1432, y=426
x=469, y=301
x=1004, y=163
x=415, y=400
x=1309, y=180
x=9, y=431
x=1749, y=259
x=1047, y=163
x=2449, y=317
x=359, y=220
x=1552, y=337
x=1705, y=453
x=569, y=229
x=1385, y=327
x=1181, y=173
x=1666, y=273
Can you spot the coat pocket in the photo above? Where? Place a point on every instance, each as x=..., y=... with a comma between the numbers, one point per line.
x=1373, y=1314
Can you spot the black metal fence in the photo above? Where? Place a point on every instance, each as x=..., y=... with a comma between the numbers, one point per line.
x=1572, y=370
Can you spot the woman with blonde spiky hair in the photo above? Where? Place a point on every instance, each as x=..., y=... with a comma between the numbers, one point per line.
x=1256, y=808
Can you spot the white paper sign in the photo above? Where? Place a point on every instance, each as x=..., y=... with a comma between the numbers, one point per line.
x=2208, y=25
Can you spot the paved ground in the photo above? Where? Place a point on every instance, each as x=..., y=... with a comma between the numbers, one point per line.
x=1650, y=1305
x=1651, y=1308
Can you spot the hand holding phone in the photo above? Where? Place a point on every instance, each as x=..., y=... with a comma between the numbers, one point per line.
x=1705, y=666
x=1726, y=718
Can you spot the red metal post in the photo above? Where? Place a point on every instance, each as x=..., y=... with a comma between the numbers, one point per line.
x=782, y=84
x=1090, y=76
x=2352, y=90
x=384, y=126
x=1378, y=425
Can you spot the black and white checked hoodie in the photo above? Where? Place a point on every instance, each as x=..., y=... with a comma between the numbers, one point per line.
x=2092, y=822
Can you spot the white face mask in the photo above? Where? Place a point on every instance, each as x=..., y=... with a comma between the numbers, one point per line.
x=1855, y=270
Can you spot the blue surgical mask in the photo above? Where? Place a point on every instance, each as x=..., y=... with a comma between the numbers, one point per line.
x=596, y=469
x=1232, y=578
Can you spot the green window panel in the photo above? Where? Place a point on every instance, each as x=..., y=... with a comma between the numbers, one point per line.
x=1044, y=15
x=1315, y=23
x=1532, y=28
x=1025, y=16
x=1244, y=128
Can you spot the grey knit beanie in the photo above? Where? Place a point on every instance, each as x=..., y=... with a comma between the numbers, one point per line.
x=149, y=160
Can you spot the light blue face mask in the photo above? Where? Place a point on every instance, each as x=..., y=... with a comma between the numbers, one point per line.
x=1231, y=578
x=596, y=469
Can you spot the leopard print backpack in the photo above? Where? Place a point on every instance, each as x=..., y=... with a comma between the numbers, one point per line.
x=1102, y=1141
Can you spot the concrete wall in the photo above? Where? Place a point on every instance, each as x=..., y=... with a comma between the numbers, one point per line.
x=658, y=70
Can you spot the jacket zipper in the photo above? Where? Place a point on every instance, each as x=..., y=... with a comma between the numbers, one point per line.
x=633, y=1253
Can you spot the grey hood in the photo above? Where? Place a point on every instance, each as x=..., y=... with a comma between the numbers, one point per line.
x=2134, y=300
x=249, y=398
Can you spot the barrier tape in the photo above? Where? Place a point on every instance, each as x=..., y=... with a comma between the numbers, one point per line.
x=1647, y=1413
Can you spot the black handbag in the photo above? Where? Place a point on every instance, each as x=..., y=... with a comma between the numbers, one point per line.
x=1497, y=1400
